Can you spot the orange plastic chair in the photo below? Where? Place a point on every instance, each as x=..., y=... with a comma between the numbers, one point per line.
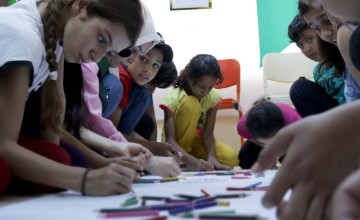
x=230, y=69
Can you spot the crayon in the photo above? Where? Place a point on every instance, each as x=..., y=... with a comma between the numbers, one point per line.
x=131, y=214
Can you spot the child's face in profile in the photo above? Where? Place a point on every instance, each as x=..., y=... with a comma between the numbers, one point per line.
x=101, y=36
x=146, y=66
x=318, y=20
x=203, y=86
x=309, y=44
x=115, y=60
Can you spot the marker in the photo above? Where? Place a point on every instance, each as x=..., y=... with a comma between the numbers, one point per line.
x=131, y=214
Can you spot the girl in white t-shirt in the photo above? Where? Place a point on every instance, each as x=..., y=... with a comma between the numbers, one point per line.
x=30, y=52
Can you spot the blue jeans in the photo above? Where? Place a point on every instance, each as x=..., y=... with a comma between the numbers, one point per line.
x=114, y=91
x=139, y=100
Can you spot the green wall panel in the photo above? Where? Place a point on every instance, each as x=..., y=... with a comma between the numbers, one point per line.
x=274, y=17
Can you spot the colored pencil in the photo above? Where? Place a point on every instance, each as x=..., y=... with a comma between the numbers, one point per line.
x=158, y=218
x=196, y=215
x=158, y=198
x=122, y=210
x=227, y=217
x=249, y=187
x=131, y=214
x=191, y=207
x=229, y=196
x=188, y=197
x=206, y=194
x=240, y=177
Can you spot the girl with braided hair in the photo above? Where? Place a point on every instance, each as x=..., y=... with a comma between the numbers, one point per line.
x=41, y=35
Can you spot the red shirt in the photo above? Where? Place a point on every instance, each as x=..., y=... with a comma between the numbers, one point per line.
x=126, y=81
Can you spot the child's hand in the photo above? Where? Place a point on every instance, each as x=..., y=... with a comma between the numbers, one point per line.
x=130, y=162
x=196, y=164
x=163, y=149
x=217, y=165
x=128, y=149
x=109, y=180
x=164, y=166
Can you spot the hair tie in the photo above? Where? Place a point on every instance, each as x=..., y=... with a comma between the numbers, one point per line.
x=54, y=75
x=83, y=181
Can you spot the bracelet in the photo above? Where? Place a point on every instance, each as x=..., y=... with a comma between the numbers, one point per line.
x=83, y=181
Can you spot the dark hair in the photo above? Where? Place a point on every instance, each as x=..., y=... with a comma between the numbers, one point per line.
x=332, y=53
x=296, y=27
x=302, y=7
x=264, y=119
x=124, y=12
x=166, y=76
x=199, y=66
x=73, y=88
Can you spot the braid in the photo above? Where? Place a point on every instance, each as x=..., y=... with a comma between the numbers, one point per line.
x=53, y=108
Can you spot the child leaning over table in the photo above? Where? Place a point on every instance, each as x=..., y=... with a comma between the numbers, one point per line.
x=190, y=115
x=259, y=125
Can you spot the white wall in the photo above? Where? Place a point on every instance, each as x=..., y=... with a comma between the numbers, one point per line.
x=228, y=30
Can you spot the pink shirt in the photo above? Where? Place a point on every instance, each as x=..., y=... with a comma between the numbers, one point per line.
x=93, y=106
x=290, y=115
